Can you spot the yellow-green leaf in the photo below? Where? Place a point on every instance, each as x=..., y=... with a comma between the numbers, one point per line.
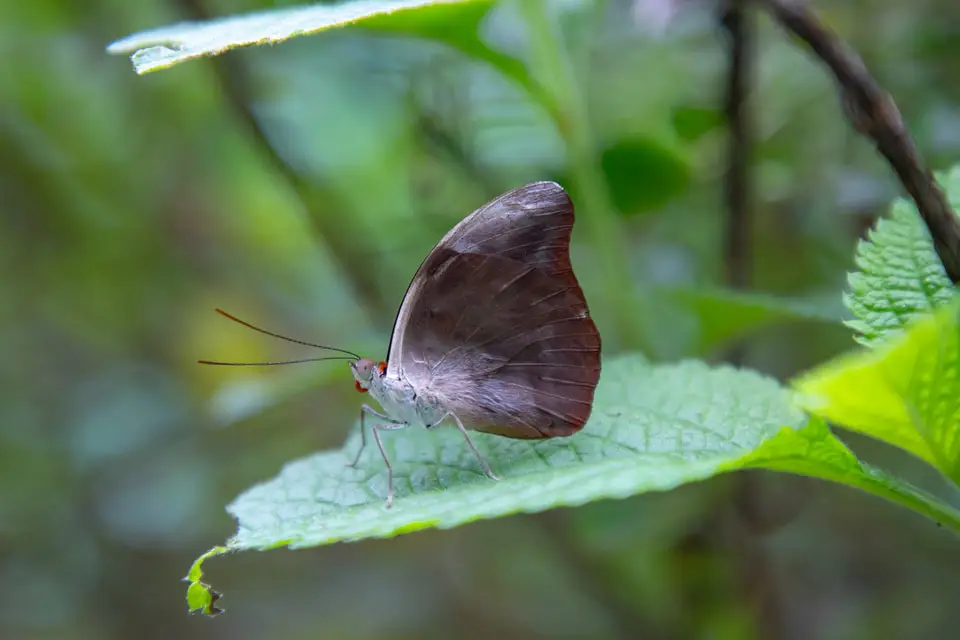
x=200, y=597
x=905, y=392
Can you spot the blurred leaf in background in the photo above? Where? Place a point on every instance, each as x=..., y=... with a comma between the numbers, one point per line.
x=299, y=186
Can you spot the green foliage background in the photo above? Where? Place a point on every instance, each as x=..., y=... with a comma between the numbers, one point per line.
x=131, y=206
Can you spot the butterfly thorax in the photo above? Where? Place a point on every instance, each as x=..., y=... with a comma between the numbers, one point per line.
x=400, y=400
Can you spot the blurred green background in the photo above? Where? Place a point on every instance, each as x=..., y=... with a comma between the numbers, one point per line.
x=299, y=186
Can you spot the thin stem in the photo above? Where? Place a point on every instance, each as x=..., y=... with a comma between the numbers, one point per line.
x=338, y=234
x=873, y=113
x=550, y=63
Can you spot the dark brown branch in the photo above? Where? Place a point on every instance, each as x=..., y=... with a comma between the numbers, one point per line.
x=874, y=114
x=738, y=234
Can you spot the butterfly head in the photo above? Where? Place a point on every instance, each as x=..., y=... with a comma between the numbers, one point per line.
x=363, y=371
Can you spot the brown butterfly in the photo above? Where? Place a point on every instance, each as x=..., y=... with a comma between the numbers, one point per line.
x=493, y=333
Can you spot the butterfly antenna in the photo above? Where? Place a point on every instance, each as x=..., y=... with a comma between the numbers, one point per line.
x=270, y=364
x=294, y=340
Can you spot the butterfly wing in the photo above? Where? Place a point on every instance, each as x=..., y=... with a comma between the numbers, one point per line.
x=495, y=325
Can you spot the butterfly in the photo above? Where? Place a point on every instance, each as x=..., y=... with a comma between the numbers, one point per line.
x=493, y=334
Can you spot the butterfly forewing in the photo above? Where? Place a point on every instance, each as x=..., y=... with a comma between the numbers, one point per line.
x=495, y=325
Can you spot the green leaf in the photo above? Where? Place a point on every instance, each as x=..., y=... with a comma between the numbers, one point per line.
x=200, y=597
x=724, y=314
x=643, y=174
x=459, y=27
x=905, y=392
x=164, y=47
x=693, y=122
x=455, y=23
x=900, y=275
x=652, y=428
x=685, y=321
x=814, y=451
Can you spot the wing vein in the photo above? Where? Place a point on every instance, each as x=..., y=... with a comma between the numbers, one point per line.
x=550, y=295
x=573, y=383
x=545, y=393
x=562, y=365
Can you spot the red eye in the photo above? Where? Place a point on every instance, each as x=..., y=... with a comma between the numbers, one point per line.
x=382, y=368
x=356, y=383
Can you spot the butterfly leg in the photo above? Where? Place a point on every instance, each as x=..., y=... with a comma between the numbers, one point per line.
x=466, y=436
x=364, y=410
x=376, y=429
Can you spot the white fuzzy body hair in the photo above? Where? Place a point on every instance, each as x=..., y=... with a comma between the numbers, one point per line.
x=403, y=404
